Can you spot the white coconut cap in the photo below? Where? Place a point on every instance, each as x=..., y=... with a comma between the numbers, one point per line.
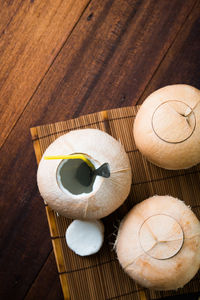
x=167, y=127
x=158, y=243
x=107, y=193
x=85, y=237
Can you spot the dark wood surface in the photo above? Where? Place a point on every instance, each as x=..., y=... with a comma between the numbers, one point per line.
x=59, y=60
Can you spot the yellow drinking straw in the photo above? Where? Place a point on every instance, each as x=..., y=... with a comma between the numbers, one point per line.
x=73, y=156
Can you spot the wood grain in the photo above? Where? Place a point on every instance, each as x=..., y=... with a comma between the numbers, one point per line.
x=28, y=47
x=108, y=60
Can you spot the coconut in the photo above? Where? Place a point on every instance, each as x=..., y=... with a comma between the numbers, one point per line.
x=158, y=243
x=167, y=127
x=85, y=237
x=58, y=183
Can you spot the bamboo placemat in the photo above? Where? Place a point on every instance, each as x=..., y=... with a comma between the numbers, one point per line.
x=100, y=276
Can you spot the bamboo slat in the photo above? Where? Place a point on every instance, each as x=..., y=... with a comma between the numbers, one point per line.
x=100, y=276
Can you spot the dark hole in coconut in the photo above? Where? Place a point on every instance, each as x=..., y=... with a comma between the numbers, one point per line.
x=76, y=176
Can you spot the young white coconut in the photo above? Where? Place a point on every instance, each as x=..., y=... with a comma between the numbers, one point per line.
x=167, y=127
x=158, y=243
x=61, y=188
x=85, y=237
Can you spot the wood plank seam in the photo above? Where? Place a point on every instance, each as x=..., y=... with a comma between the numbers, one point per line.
x=34, y=279
x=165, y=55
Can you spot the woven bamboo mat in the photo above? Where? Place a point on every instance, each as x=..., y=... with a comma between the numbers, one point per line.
x=100, y=276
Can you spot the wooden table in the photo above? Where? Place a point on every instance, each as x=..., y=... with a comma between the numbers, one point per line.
x=60, y=60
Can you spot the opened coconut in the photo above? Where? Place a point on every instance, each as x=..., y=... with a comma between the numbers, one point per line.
x=67, y=185
x=167, y=127
x=158, y=243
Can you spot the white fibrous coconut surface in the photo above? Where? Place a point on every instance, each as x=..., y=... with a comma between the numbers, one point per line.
x=167, y=127
x=107, y=193
x=158, y=243
x=85, y=237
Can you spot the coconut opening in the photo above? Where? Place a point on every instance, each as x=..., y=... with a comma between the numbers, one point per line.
x=173, y=121
x=161, y=236
x=74, y=176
